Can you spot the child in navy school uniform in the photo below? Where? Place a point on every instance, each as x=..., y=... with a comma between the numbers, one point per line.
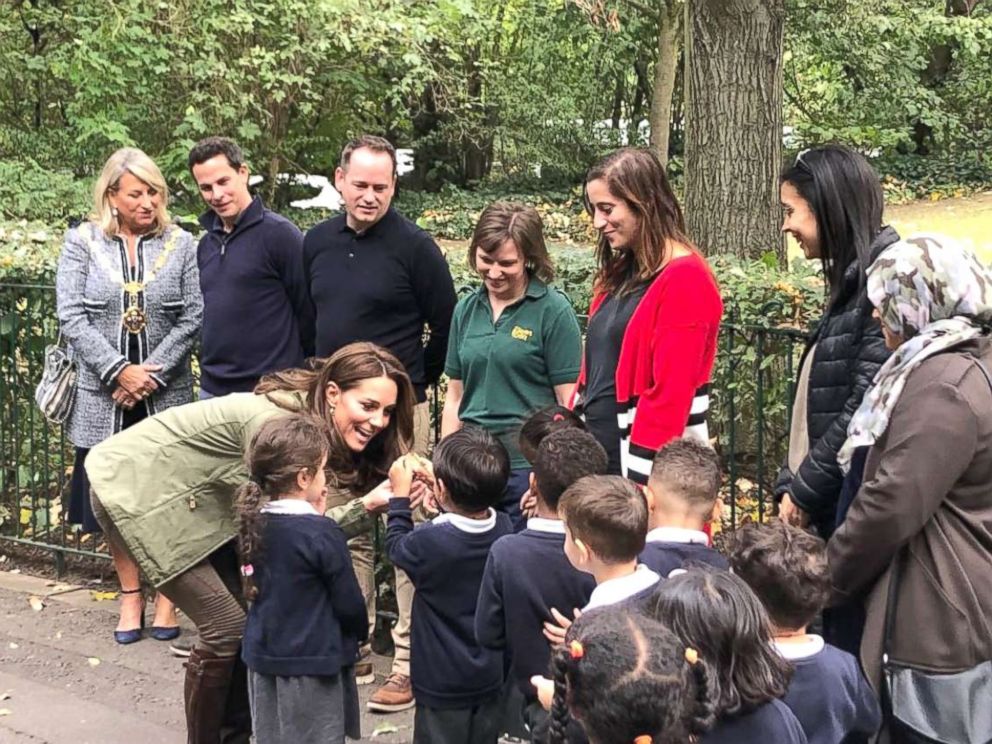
x=307, y=615
x=786, y=567
x=683, y=494
x=528, y=573
x=628, y=679
x=533, y=431
x=606, y=519
x=717, y=614
x=456, y=682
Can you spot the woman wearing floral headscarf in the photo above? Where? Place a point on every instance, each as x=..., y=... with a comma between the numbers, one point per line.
x=924, y=510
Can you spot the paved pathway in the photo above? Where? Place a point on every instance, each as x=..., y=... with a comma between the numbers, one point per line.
x=63, y=680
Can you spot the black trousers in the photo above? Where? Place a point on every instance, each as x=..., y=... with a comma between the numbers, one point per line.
x=477, y=725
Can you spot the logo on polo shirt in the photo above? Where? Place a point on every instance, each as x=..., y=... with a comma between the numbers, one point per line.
x=521, y=334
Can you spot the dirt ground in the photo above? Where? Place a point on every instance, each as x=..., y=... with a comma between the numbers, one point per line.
x=63, y=680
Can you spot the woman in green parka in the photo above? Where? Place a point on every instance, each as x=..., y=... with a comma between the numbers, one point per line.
x=163, y=490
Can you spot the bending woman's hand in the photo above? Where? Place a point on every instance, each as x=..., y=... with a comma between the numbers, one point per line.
x=789, y=513
x=377, y=500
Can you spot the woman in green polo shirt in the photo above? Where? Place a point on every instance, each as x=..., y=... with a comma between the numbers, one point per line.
x=515, y=344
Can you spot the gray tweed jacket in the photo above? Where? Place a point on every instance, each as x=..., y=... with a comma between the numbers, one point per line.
x=91, y=302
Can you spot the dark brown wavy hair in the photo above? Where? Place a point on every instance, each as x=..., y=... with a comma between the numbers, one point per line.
x=347, y=368
x=637, y=177
x=281, y=448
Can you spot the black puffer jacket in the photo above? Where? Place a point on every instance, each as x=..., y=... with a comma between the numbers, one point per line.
x=849, y=350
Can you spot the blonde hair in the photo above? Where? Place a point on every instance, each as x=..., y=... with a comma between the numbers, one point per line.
x=134, y=161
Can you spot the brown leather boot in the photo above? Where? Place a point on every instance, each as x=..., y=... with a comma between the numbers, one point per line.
x=208, y=682
x=236, y=728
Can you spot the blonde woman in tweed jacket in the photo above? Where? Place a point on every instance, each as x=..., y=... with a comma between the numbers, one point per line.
x=129, y=303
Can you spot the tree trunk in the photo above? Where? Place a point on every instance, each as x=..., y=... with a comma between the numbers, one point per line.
x=665, y=68
x=733, y=149
x=617, y=104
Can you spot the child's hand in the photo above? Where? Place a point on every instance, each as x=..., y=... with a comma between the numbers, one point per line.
x=545, y=690
x=555, y=631
x=377, y=500
x=528, y=504
x=419, y=492
x=401, y=475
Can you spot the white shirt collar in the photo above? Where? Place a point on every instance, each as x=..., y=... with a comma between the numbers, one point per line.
x=472, y=526
x=289, y=506
x=616, y=590
x=796, y=651
x=678, y=535
x=543, y=524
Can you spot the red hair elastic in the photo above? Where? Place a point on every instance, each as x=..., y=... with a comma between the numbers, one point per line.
x=558, y=417
x=576, y=650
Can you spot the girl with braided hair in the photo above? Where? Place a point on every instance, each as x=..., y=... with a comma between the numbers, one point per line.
x=717, y=614
x=307, y=615
x=628, y=680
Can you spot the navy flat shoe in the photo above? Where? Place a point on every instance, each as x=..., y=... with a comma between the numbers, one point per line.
x=160, y=633
x=124, y=637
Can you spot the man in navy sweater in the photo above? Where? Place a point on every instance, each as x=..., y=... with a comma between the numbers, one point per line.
x=683, y=494
x=528, y=573
x=373, y=275
x=257, y=316
x=456, y=681
x=786, y=567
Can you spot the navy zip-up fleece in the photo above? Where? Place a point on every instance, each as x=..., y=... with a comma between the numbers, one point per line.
x=257, y=316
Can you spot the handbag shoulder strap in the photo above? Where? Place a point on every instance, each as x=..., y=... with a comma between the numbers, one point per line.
x=902, y=556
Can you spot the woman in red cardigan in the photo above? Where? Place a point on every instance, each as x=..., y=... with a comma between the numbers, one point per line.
x=654, y=318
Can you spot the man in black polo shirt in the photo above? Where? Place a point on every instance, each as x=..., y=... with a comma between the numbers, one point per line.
x=375, y=276
x=257, y=316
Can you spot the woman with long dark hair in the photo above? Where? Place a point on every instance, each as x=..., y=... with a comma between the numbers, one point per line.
x=654, y=317
x=163, y=491
x=832, y=201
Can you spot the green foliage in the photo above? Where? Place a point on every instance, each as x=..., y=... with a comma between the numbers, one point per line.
x=909, y=177
x=892, y=74
x=31, y=192
x=452, y=213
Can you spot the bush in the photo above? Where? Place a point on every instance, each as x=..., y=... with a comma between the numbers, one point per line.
x=30, y=192
x=452, y=213
x=906, y=178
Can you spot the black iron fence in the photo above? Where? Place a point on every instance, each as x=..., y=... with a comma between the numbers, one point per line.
x=750, y=414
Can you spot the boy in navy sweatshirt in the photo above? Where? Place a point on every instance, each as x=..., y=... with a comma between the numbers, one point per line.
x=786, y=568
x=683, y=494
x=528, y=573
x=456, y=681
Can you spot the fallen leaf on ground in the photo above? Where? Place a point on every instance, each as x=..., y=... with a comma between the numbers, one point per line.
x=4, y=696
x=384, y=728
x=36, y=604
x=93, y=661
x=15, y=571
x=99, y=596
x=13, y=645
x=4, y=711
